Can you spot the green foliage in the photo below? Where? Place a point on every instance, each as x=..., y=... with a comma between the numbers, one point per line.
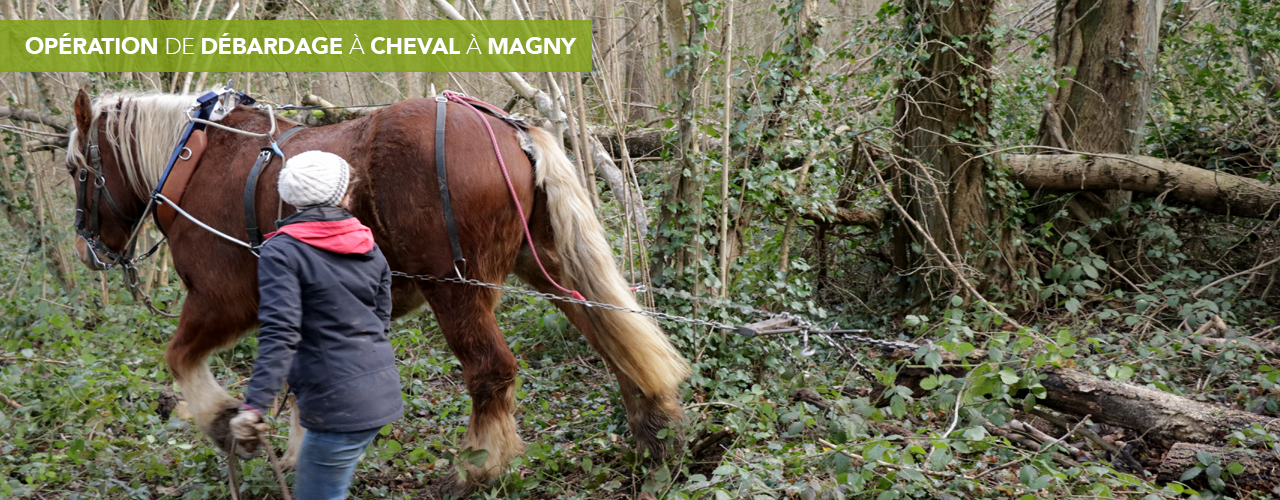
x=89, y=373
x=1219, y=85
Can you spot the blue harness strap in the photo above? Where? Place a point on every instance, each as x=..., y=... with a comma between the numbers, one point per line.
x=206, y=103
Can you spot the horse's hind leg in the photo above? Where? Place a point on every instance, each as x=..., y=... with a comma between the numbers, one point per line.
x=197, y=337
x=466, y=317
x=647, y=415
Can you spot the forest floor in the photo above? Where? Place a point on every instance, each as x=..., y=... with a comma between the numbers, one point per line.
x=86, y=413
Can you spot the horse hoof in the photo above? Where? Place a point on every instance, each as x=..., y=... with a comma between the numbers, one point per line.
x=219, y=428
x=246, y=450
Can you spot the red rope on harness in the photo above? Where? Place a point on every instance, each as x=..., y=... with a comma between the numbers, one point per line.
x=461, y=99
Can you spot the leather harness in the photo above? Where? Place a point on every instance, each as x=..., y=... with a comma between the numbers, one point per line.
x=189, y=150
x=251, y=185
x=442, y=178
x=176, y=184
x=442, y=173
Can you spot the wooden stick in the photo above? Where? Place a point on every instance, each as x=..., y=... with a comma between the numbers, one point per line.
x=1048, y=447
x=275, y=466
x=725, y=162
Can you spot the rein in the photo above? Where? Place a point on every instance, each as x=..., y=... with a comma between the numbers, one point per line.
x=233, y=466
x=88, y=223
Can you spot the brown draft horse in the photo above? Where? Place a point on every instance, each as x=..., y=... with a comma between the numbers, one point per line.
x=392, y=155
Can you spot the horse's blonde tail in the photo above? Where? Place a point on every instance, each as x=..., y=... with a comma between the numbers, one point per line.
x=634, y=343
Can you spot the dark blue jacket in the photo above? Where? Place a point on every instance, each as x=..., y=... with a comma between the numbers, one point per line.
x=324, y=322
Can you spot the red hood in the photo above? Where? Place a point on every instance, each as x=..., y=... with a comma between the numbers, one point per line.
x=347, y=236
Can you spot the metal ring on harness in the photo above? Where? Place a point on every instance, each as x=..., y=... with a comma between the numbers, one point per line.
x=185, y=154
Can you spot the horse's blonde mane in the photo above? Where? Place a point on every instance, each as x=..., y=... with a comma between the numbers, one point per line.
x=142, y=129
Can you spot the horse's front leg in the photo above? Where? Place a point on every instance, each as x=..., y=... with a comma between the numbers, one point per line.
x=200, y=333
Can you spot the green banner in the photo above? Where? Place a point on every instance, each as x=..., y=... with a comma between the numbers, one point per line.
x=327, y=46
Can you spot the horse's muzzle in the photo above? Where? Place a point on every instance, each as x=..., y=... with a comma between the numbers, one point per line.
x=84, y=253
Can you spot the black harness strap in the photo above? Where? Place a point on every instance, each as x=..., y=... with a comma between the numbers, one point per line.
x=442, y=178
x=251, y=187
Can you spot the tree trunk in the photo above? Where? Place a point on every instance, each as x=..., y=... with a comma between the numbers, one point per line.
x=941, y=117
x=23, y=208
x=1105, y=59
x=1261, y=468
x=636, y=77
x=679, y=216
x=1106, y=55
x=1215, y=192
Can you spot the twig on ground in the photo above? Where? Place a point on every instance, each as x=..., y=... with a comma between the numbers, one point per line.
x=855, y=456
x=712, y=440
x=8, y=401
x=1251, y=270
x=1047, y=447
x=1037, y=434
x=1087, y=433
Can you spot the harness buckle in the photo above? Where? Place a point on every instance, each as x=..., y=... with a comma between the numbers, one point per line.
x=441, y=98
x=460, y=267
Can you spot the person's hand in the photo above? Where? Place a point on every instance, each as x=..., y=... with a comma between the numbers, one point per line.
x=248, y=426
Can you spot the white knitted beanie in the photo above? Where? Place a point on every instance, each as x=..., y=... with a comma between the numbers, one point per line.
x=314, y=178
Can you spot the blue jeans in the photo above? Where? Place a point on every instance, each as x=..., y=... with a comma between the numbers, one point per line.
x=326, y=462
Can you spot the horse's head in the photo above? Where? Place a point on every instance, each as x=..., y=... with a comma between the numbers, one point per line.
x=102, y=158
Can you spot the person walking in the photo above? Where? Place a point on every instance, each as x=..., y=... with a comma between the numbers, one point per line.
x=325, y=312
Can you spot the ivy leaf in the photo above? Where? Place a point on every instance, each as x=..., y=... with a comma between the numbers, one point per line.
x=1191, y=473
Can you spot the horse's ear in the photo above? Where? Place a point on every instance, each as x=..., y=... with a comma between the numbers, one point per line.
x=83, y=112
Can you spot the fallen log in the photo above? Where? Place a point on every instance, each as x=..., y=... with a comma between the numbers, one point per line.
x=1260, y=469
x=1210, y=190
x=1156, y=414
x=1159, y=416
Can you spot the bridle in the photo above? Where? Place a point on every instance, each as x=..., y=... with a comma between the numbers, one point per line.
x=88, y=222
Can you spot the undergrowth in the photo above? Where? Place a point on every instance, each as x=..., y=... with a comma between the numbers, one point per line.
x=85, y=394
